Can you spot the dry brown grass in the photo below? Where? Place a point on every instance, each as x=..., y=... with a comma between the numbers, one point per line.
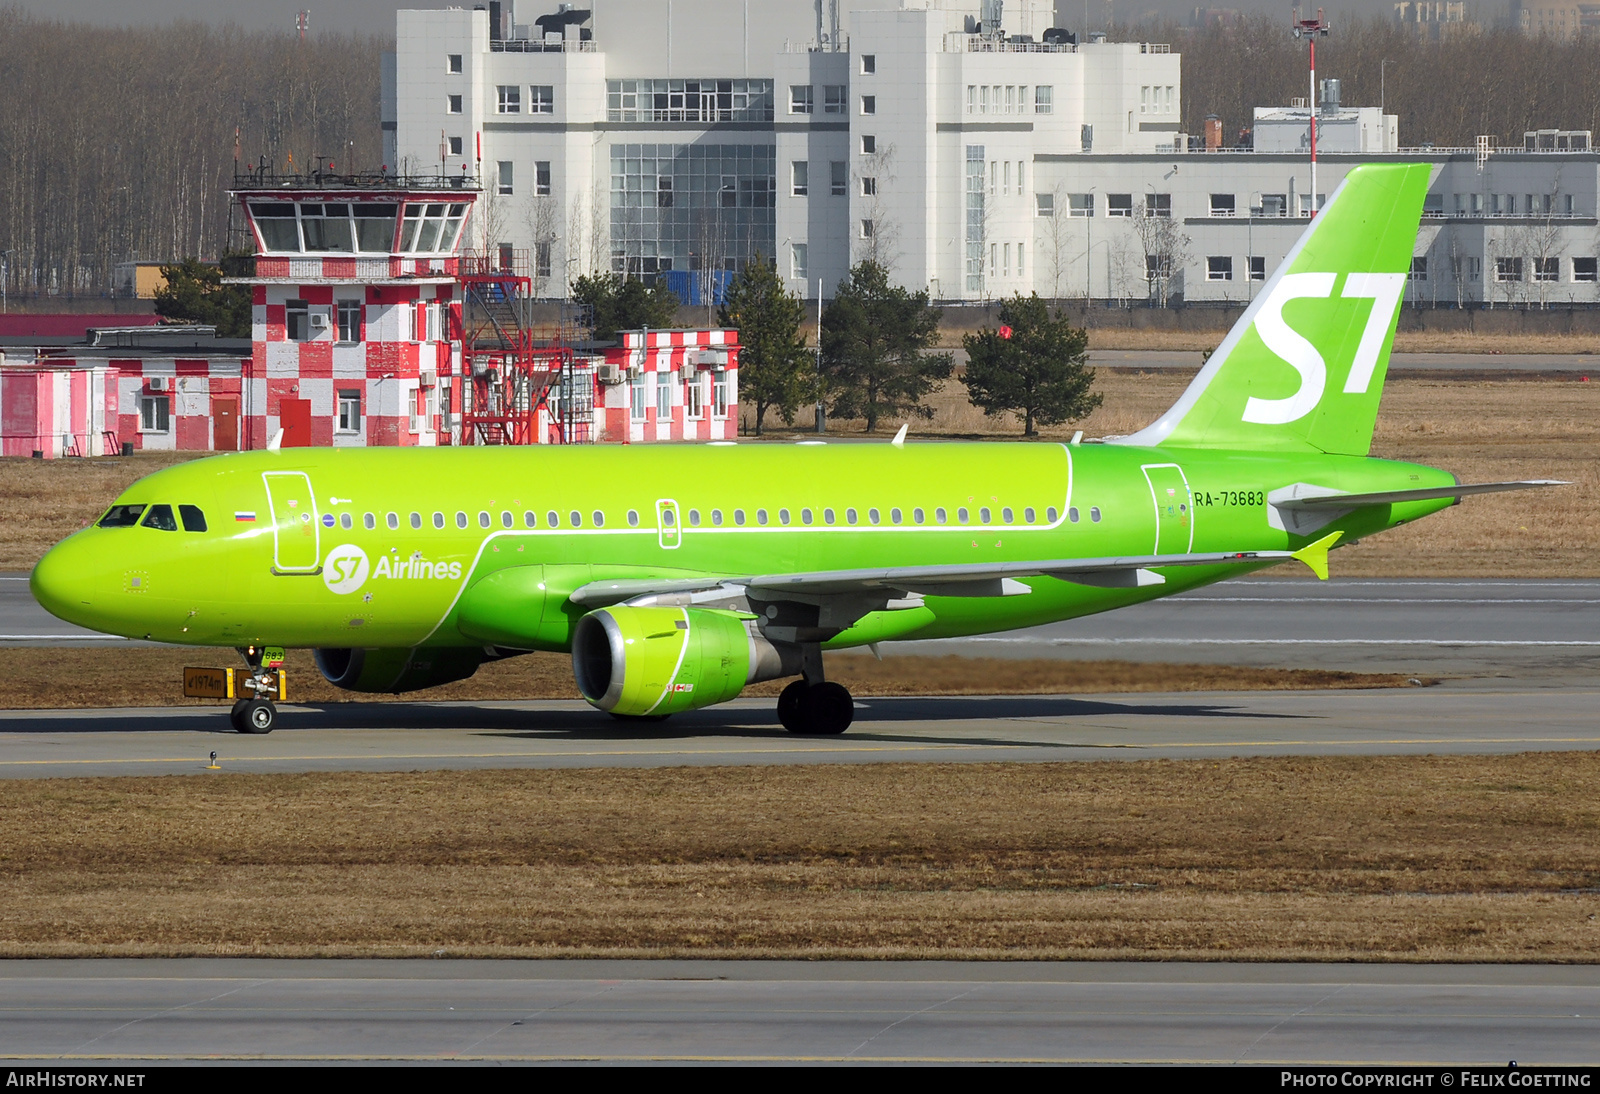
x=42, y=678
x=1404, y=342
x=48, y=500
x=1422, y=858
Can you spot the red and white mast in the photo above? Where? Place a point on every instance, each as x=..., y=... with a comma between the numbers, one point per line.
x=1311, y=30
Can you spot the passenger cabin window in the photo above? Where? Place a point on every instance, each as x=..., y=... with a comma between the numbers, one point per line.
x=506, y=519
x=416, y=520
x=345, y=521
x=827, y=516
x=160, y=517
x=1050, y=514
x=371, y=522
x=483, y=520
x=121, y=516
x=528, y=519
x=461, y=519
x=633, y=518
x=577, y=519
x=438, y=520
x=599, y=519
x=1072, y=514
x=1094, y=513
x=553, y=519
x=961, y=514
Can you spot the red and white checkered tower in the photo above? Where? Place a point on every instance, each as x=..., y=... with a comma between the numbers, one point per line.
x=357, y=320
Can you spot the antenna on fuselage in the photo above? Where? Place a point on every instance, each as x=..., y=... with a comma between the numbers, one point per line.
x=276, y=442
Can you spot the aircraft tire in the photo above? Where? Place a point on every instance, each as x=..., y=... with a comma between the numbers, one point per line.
x=236, y=716
x=257, y=716
x=830, y=709
x=792, y=707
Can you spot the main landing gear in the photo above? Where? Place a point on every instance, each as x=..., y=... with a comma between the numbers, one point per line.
x=812, y=706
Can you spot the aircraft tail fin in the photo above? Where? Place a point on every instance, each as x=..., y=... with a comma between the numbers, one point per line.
x=1303, y=368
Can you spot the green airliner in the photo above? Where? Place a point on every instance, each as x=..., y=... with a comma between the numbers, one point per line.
x=677, y=575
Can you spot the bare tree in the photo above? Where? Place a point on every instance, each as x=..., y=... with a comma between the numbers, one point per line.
x=1057, y=237
x=543, y=222
x=1166, y=251
x=878, y=234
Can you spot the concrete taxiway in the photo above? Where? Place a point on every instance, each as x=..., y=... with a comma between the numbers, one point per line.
x=1470, y=718
x=824, y=1011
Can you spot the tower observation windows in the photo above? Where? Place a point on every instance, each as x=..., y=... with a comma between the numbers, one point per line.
x=692, y=101
x=332, y=227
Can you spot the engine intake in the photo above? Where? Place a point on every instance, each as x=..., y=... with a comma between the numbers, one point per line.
x=656, y=661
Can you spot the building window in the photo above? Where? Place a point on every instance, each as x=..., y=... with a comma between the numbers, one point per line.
x=663, y=396
x=1020, y=271
x=541, y=178
x=1119, y=205
x=1044, y=97
x=505, y=178
x=455, y=146
x=838, y=178
x=1222, y=205
x=155, y=414
x=349, y=320
x=869, y=104
x=1544, y=269
x=972, y=98
x=869, y=64
x=297, y=321
x=728, y=195
x=800, y=99
x=541, y=258
x=1219, y=268
x=349, y=412
x=454, y=104
x=542, y=99
x=1081, y=205
x=636, y=396
x=1045, y=204
x=1585, y=269
x=834, y=96
x=1258, y=268
x=453, y=63
x=1157, y=267
x=719, y=394
x=866, y=229
x=869, y=144
x=799, y=178
x=508, y=99
x=869, y=186
x=1158, y=205
x=663, y=191
x=1508, y=269
x=694, y=396
x=797, y=261
x=1419, y=269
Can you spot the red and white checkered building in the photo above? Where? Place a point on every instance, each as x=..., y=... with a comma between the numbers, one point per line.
x=670, y=385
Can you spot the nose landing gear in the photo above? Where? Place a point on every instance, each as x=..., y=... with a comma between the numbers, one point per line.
x=253, y=715
x=255, y=712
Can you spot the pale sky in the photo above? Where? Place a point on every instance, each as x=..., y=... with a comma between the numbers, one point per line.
x=377, y=16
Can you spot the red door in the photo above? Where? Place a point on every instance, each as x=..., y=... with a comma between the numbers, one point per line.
x=225, y=424
x=295, y=417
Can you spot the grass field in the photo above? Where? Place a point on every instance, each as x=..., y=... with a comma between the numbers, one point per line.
x=1420, y=858
x=1535, y=426
x=54, y=678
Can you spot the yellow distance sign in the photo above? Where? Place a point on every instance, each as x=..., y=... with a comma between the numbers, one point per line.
x=201, y=683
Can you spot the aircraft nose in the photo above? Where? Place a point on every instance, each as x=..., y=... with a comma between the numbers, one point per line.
x=58, y=585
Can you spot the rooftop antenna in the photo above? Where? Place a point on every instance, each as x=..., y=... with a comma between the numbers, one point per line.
x=302, y=22
x=1311, y=30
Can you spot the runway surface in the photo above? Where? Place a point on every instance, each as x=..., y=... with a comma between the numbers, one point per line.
x=1448, y=626
x=1481, y=718
x=708, y=1011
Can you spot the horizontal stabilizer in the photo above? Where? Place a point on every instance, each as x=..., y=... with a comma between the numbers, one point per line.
x=1325, y=501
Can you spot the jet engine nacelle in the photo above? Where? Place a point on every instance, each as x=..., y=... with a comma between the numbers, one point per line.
x=397, y=670
x=637, y=661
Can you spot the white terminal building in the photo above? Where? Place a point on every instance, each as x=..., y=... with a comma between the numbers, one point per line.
x=973, y=147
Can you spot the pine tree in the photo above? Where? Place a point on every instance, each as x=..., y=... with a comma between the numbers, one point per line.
x=775, y=368
x=194, y=293
x=622, y=304
x=873, y=338
x=1038, y=371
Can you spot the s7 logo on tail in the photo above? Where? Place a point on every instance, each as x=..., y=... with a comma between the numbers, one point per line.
x=1383, y=289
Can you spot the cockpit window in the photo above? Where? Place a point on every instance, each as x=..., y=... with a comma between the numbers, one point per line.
x=160, y=517
x=193, y=519
x=121, y=516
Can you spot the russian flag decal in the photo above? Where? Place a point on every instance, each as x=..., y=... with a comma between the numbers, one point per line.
x=248, y=516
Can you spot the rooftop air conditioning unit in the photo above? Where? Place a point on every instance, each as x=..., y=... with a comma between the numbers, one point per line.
x=158, y=383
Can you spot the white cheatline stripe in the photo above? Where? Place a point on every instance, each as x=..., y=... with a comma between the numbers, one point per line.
x=683, y=651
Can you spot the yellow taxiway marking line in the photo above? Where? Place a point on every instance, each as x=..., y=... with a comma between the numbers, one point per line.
x=849, y=749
